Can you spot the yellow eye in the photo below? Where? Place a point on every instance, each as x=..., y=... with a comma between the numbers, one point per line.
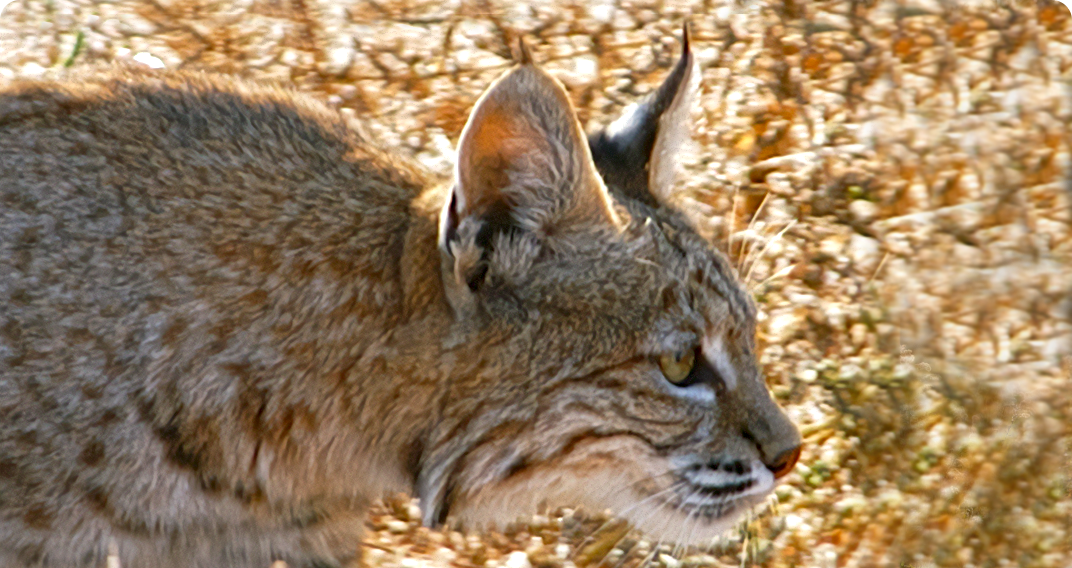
x=677, y=366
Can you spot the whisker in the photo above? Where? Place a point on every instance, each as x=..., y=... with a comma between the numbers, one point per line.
x=650, y=513
x=696, y=521
x=658, y=508
x=620, y=516
x=692, y=531
x=672, y=487
x=658, y=543
x=677, y=511
x=655, y=549
x=682, y=544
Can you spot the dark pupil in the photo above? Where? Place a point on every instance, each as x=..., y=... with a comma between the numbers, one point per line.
x=701, y=371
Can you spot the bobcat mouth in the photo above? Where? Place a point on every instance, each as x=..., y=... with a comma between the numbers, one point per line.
x=713, y=501
x=717, y=491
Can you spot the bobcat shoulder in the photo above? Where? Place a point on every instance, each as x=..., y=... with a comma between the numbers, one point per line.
x=228, y=322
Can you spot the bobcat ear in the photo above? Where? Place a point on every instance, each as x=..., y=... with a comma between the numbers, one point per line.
x=636, y=154
x=523, y=165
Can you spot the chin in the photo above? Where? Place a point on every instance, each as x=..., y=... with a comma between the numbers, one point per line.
x=667, y=501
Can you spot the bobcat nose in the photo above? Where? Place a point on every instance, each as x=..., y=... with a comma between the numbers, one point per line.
x=783, y=463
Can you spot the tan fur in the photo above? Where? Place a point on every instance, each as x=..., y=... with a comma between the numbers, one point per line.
x=228, y=322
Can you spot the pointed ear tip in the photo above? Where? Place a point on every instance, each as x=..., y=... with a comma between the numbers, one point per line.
x=524, y=53
x=685, y=37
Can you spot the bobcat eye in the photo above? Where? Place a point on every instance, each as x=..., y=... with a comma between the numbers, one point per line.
x=677, y=366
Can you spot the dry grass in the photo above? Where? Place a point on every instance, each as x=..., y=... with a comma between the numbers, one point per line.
x=892, y=177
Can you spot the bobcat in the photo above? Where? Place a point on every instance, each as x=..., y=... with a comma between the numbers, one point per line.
x=228, y=322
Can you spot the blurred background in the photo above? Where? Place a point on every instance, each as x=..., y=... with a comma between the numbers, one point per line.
x=891, y=179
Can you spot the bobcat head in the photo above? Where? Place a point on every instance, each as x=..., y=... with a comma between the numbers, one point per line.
x=605, y=351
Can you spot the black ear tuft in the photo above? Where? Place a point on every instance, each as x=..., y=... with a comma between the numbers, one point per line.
x=449, y=228
x=524, y=53
x=624, y=151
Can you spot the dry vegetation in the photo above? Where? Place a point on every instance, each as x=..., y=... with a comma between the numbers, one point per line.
x=891, y=177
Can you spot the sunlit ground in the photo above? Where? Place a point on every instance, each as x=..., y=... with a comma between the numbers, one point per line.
x=891, y=181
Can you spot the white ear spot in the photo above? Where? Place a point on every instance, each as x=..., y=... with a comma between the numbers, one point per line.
x=714, y=350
